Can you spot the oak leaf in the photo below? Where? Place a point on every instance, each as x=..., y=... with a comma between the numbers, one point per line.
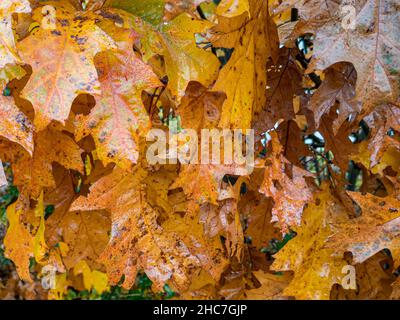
x=137, y=240
x=370, y=47
x=34, y=173
x=15, y=125
x=316, y=268
x=254, y=40
x=184, y=61
x=119, y=117
x=272, y=286
x=63, y=68
x=85, y=234
x=377, y=228
x=19, y=243
x=285, y=184
x=337, y=89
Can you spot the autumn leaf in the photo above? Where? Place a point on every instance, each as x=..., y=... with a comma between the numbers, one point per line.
x=207, y=191
x=232, y=8
x=374, y=230
x=15, y=126
x=63, y=68
x=286, y=185
x=174, y=8
x=254, y=40
x=175, y=41
x=91, y=279
x=34, y=173
x=151, y=11
x=119, y=117
x=184, y=61
x=8, y=51
x=284, y=84
x=337, y=89
x=370, y=47
x=137, y=240
x=199, y=108
x=207, y=248
x=40, y=247
x=225, y=219
x=85, y=234
x=309, y=10
x=272, y=286
x=61, y=285
x=373, y=279
x=18, y=243
x=383, y=119
x=316, y=268
x=258, y=211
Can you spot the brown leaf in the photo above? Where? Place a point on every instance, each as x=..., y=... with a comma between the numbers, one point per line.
x=337, y=89
x=286, y=185
x=377, y=228
x=271, y=287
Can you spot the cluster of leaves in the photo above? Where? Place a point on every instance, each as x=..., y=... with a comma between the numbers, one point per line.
x=85, y=81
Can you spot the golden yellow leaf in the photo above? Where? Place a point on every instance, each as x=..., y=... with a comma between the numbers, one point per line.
x=18, y=243
x=39, y=243
x=184, y=61
x=232, y=8
x=316, y=268
x=254, y=40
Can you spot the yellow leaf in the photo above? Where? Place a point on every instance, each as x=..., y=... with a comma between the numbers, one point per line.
x=64, y=249
x=83, y=268
x=316, y=268
x=243, y=78
x=137, y=240
x=61, y=286
x=272, y=286
x=18, y=243
x=184, y=61
x=232, y=8
x=100, y=281
x=40, y=247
